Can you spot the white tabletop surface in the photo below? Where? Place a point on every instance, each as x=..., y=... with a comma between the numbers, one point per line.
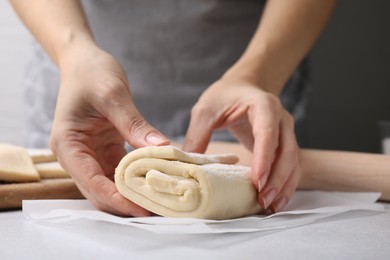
x=365, y=237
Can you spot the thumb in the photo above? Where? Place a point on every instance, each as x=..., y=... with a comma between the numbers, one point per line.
x=133, y=127
x=199, y=132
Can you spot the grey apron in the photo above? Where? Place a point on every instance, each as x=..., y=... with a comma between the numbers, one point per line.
x=171, y=50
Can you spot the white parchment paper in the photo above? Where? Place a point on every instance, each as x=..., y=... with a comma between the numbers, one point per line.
x=304, y=208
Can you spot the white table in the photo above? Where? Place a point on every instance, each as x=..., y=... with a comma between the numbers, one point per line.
x=358, y=238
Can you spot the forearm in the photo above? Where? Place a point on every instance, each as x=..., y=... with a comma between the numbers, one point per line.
x=57, y=24
x=287, y=31
x=346, y=171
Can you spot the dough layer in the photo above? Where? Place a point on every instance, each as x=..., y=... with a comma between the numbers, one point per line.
x=173, y=183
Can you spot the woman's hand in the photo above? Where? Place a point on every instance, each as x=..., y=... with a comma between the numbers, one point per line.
x=259, y=121
x=94, y=116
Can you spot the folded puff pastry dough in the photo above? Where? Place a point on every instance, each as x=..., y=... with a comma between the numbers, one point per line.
x=173, y=183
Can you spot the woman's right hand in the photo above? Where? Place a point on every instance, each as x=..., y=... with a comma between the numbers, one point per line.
x=94, y=116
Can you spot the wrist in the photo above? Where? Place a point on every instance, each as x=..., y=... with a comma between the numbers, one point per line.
x=253, y=70
x=74, y=47
x=261, y=65
x=245, y=73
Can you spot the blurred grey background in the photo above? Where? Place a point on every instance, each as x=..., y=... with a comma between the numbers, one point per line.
x=350, y=77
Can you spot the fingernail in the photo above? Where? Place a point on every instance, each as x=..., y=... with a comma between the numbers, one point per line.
x=280, y=204
x=262, y=181
x=155, y=139
x=269, y=197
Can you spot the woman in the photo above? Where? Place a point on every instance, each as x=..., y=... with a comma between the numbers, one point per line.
x=127, y=65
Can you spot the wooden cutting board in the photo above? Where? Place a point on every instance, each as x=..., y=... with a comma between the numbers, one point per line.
x=11, y=195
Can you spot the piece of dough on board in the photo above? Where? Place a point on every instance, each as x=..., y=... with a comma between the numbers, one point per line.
x=42, y=155
x=16, y=164
x=51, y=170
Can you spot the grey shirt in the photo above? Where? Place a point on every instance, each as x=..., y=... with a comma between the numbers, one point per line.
x=171, y=50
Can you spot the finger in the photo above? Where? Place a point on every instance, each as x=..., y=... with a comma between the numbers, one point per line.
x=134, y=128
x=199, y=130
x=94, y=185
x=265, y=122
x=104, y=207
x=108, y=199
x=279, y=176
x=286, y=162
x=287, y=191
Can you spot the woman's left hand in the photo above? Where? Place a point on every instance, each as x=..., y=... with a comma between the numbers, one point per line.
x=260, y=122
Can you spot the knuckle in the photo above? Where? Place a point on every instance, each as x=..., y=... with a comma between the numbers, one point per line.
x=274, y=100
x=200, y=109
x=203, y=114
x=273, y=103
x=136, y=125
x=289, y=119
x=268, y=110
